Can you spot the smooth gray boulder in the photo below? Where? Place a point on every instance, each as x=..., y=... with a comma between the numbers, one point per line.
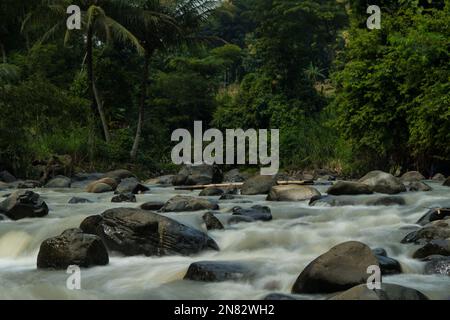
x=412, y=176
x=349, y=188
x=258, y=185
x=59, y=182
x=292, y=193
x=383, y=182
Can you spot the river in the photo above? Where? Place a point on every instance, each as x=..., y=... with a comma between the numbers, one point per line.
x=277, y=250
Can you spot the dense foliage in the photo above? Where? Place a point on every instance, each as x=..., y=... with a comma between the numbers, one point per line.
x=344, y=97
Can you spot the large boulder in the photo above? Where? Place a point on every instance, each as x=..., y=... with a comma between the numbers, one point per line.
x=152, y=205
x=447, y=182
x=435, y=230
x=186, y=203
x=387, y=292
x=82, y=179
x=434, y=214
x=197, y=175
x=215, y=271
x=163, y=180
x=119, y=175
x=72, y=247
x=7, y=177
x=139, y=232
x=256, y=213
x=59, y=182
x=342, y=267
x=434, y=247
x=349, y=188
x=383, y=182
x=102, y=185
x=258, y=185
x=130, y=185
x=418, y=186
x=411, y=176
x=75, y=200
x=292, y=193
x=23, y=204
x=438, y=177
x=211, y=222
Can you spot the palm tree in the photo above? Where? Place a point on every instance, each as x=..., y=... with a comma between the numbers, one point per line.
x=177, y=22
x=98, y=26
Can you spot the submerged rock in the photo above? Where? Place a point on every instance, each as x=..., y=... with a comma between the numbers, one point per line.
x=139, y=232
x=215, y=271
x=292, y=193
x=387, y=292
x=257, y=212
x=72, y=247
x=342, y=267
x=186, y=203
x=349, y=188
x=258, y=185
x=75, y=200
x=383, y=182
x=124, y=197
x=343, y=200
x=386, y=201
x=23, y=204
x=211, y=222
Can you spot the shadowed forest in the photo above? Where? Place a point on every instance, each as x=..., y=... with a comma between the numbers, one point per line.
x=345, y=98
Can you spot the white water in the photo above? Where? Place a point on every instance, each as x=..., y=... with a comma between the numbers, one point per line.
x=278, y=250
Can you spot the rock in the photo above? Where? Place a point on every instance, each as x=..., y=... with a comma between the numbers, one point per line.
x=130, y=185
x=435, y=230
x=124, y=197
x=387, y=292
x=72, y=247
x=332, y=201
x=54, y=166
x=215, y=271
x=239, y=219
x=163, y=180
x=326, y=178
x=82, y=180
x=227, y=196
x=418, y=186
x=186, y=203
x=258, y=185
x=349, y=188
x=23, y=204
x=136, y=232
x=438, y=265
x=119, y=175
x=438, y=177
x=7, y=177
x=79, y=200
x=256, y=213
x=412, y=176
x=278, y=296
x=211, y=222
x=292, y=193
x=434, y=215
x=211, y=191
x=197, y=175
x=29, y=184
x=434, y=247
x=59, y=182
x=152, y=205
x=447, y=182
x=383, y=182
x=388, y=265
x=5, y=186
x=235, y=175
x=342, y=267
x=102, y=185
x=386, y=201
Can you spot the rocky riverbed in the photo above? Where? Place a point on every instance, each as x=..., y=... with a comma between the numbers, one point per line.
x=275, y=241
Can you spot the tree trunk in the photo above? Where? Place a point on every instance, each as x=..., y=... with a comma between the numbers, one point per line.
x=2, y=48
x=134, y=149
x=97, y=104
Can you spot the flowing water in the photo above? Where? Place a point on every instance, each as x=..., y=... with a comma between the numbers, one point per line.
x=277, y=250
